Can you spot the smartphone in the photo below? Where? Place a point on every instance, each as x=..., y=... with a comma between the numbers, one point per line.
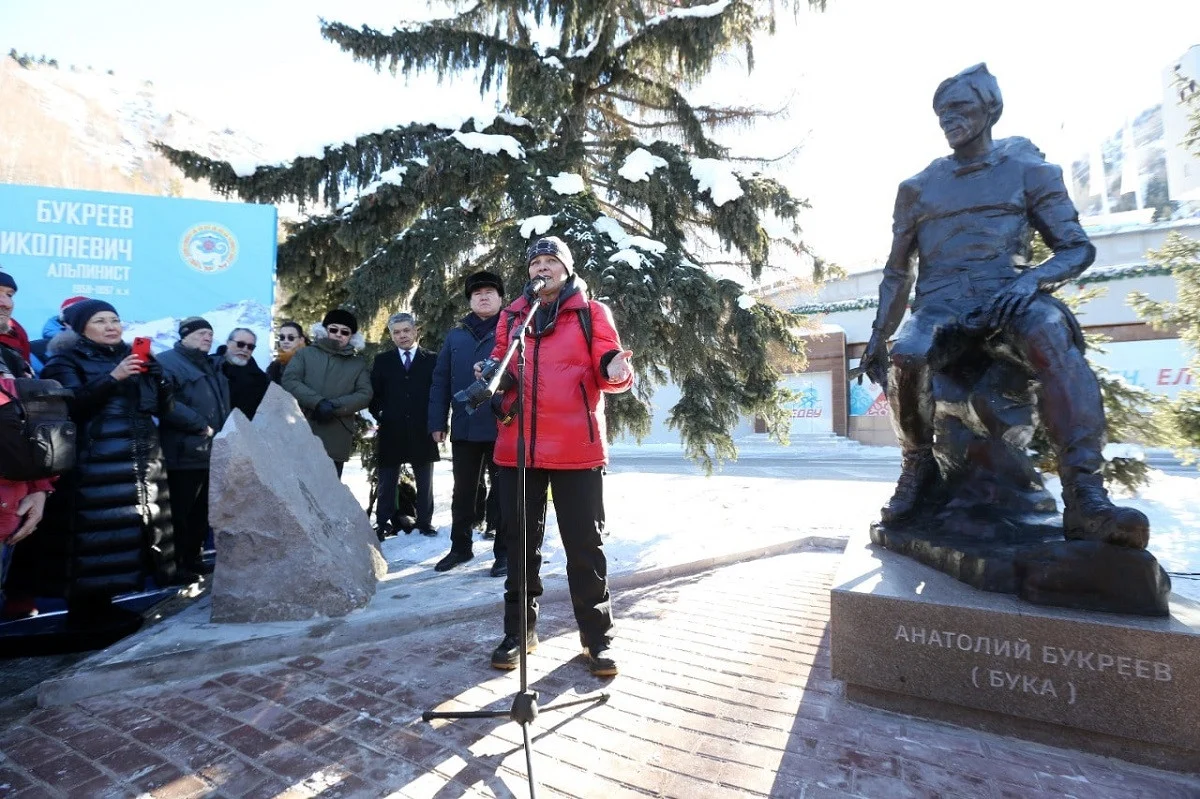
x=141, y=348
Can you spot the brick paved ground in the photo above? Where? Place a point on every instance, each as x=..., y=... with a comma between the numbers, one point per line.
x=725, y=692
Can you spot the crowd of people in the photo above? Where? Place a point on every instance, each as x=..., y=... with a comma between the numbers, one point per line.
x=134, y=507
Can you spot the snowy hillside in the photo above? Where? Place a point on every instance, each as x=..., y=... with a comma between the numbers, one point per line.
x=163, y=333
x=74, y=127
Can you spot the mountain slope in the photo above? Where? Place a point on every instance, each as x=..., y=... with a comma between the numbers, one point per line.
x=80, y=129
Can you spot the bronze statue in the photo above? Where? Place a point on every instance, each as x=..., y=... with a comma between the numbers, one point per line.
x=987, y=345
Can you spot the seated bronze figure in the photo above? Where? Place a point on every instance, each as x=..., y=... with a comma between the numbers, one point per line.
x=988, y=353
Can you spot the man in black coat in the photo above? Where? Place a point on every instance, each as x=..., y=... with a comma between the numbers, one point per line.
x=201, y=405
x=472, y=435
x=401, y=381
x=247, y=381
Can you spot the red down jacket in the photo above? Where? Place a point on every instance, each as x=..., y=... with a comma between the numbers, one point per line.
x=564, y=385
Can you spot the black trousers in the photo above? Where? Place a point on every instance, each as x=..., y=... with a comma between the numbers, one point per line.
x=579, y=508
x=189, y=512
x=389, y=479
x=472, y=460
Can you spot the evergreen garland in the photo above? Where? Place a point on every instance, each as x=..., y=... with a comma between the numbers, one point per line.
x=607, y=95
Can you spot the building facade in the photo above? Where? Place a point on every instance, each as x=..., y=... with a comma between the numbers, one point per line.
x=845, y=309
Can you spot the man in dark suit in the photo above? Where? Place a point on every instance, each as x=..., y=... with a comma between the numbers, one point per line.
x=401, y=381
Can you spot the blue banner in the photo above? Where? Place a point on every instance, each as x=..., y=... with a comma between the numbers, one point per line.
x=156, y=259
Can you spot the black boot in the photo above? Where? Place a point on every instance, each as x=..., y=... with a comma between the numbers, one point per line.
x=919, y=473
x=1089, y=515
x=507, y=655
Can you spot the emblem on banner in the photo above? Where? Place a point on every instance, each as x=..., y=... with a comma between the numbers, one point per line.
x=209, y=248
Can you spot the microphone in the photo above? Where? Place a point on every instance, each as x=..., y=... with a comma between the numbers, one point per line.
x=535, y=285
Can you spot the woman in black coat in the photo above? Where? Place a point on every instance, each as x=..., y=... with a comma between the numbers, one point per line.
x=108, y=523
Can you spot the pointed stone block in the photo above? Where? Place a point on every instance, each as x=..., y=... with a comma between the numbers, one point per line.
x=292, y=541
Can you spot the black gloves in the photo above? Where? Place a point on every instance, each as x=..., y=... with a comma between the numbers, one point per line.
x=324, y=411
x=153, y=368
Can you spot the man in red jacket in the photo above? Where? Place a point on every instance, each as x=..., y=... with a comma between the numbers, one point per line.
x=21, y=502
x=573, y=357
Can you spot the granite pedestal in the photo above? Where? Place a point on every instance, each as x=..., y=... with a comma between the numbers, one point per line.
x=908, y=638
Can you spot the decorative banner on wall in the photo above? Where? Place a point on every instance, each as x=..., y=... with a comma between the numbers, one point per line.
x=1158, y=366
x=812, y=410
x=866, y=399
x=156, y=259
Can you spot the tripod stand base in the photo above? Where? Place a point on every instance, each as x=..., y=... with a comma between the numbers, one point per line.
x=524, y=708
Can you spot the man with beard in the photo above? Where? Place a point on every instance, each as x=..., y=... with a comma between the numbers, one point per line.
x=247, y=381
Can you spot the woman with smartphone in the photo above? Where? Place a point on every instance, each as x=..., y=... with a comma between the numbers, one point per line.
x=108, y=524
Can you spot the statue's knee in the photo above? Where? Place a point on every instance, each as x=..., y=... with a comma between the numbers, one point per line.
x=905, y=361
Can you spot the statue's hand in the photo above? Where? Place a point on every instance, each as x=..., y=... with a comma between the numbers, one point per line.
x=874, y=362
x=1013, y=300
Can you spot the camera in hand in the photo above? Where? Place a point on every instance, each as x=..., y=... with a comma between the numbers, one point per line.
x=478, y=392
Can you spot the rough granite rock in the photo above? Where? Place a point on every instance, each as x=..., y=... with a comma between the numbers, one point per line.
x=292, y=541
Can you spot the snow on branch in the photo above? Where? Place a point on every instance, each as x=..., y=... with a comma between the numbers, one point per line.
x=490, y=143
x=394, y=176
x=567, y=183
x=717, y=178
x=695, y=12
x=612, y=228
x=536, y=225
x=640, y=164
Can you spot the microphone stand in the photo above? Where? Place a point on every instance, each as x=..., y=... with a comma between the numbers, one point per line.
x=524, y=707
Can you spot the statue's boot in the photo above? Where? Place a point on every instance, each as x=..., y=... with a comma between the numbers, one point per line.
x=918, y=474
x=1089, y=514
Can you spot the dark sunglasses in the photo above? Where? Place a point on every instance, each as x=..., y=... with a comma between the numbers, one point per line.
x=338, y=331
x=286, y=337
x=244, y=345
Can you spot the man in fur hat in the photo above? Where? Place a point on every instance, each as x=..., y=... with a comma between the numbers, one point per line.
x=331, y=382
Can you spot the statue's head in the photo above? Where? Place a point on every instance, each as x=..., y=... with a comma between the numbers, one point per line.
x=968, y=105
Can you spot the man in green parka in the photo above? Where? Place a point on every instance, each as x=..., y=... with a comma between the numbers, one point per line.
x=331, y=382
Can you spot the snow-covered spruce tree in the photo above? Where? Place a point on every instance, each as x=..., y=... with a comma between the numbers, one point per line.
x=598, y=144
x=1179, y=418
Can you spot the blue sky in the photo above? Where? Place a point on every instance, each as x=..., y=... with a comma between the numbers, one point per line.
x=857, y=79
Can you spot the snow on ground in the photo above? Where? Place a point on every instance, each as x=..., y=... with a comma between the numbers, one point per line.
x=1171, y=503
x=665, y=519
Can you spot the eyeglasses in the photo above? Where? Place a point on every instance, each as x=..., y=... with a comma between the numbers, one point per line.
x=286, y=337
x=244, y=345
x=338, y=331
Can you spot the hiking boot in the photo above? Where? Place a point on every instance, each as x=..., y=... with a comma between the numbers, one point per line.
x=919, y=473
x=453, y=559
x=500, y=567
x=385, y=530
x=1089, y=515
x=600, y=660
x=507, y=656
